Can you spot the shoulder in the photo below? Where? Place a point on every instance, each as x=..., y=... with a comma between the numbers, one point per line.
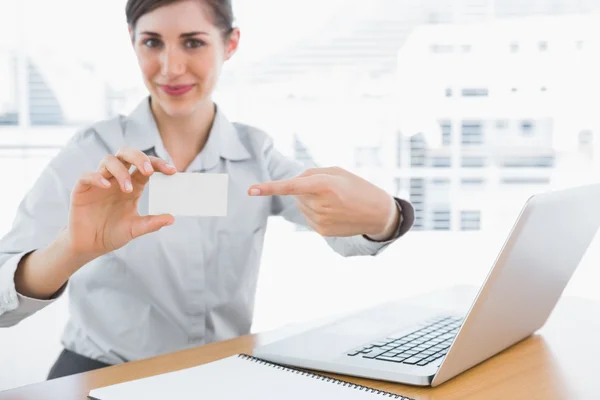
x=252, y=135
x=90, y=143
x=107, y=133
x=255, y=140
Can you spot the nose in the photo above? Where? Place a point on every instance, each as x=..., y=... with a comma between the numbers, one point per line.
x=172, y=63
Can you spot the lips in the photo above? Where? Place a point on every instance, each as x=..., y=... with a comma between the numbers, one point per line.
x=176, y=90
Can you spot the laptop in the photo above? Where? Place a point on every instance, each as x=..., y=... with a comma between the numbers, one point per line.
x=404, y=343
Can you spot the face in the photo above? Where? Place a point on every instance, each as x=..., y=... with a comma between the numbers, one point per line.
x=181, y=53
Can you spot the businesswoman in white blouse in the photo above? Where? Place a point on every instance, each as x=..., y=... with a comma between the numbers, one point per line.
x=142, y=285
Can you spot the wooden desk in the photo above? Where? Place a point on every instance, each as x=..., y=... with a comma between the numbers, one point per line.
x=559, y=362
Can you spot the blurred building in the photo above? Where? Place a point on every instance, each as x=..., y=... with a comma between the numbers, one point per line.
x=58, y=92
x=9, y=106
x=366, y=35
x=490, y=113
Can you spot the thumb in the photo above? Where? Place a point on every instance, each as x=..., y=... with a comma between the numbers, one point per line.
x=150, y=223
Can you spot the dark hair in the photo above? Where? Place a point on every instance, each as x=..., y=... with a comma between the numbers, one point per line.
x=220, y=10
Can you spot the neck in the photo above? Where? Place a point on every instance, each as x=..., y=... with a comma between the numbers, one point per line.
x=184, y=137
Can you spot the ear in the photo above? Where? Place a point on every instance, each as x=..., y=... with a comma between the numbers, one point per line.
x=232, y=43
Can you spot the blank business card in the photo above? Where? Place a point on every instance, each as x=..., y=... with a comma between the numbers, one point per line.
x=188, y=194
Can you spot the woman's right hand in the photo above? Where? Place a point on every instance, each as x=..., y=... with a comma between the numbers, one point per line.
x=103, y=214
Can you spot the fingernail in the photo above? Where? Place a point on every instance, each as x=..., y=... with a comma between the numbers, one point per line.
x=148, y=167
x=170, y=166
x=104, y=182
x=128, y=186
x=254, y=192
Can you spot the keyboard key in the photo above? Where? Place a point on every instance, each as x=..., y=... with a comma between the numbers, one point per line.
x=412, y=360
x=423, y=363
x=379, y=344
x=392, y=359
x=446, y=336
x=357, y=350
x=373, y=355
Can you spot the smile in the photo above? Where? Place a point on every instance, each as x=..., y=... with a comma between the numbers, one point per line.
x=176, y=90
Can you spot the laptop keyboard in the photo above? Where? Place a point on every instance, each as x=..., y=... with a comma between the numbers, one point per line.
x=421, y=347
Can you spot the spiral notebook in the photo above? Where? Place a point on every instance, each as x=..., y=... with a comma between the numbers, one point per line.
x=239, y=377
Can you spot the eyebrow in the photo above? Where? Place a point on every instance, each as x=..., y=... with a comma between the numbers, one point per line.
x=183, y=35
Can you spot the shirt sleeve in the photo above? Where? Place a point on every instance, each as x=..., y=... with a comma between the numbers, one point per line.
x=281, y=167
x=40, y=216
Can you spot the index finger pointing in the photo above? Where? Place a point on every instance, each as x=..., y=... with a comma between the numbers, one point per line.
x=293, y=186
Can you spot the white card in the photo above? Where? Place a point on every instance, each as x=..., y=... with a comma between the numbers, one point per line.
x=188, y=194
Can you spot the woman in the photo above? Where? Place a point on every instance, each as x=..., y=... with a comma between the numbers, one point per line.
x=141, y=285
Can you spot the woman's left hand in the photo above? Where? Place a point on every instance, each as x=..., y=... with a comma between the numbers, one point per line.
x=337, y=202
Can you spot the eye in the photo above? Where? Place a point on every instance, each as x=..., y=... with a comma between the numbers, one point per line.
x=194, y=43
x=151, y=43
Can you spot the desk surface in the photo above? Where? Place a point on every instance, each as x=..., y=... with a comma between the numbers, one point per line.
x=558, y=362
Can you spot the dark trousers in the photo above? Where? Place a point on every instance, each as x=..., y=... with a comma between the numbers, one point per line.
x=69, y=363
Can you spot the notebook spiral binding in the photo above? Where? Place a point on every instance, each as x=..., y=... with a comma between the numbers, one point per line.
x=324, y=378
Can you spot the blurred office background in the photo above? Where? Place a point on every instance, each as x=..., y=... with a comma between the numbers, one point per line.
x=464, y=107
